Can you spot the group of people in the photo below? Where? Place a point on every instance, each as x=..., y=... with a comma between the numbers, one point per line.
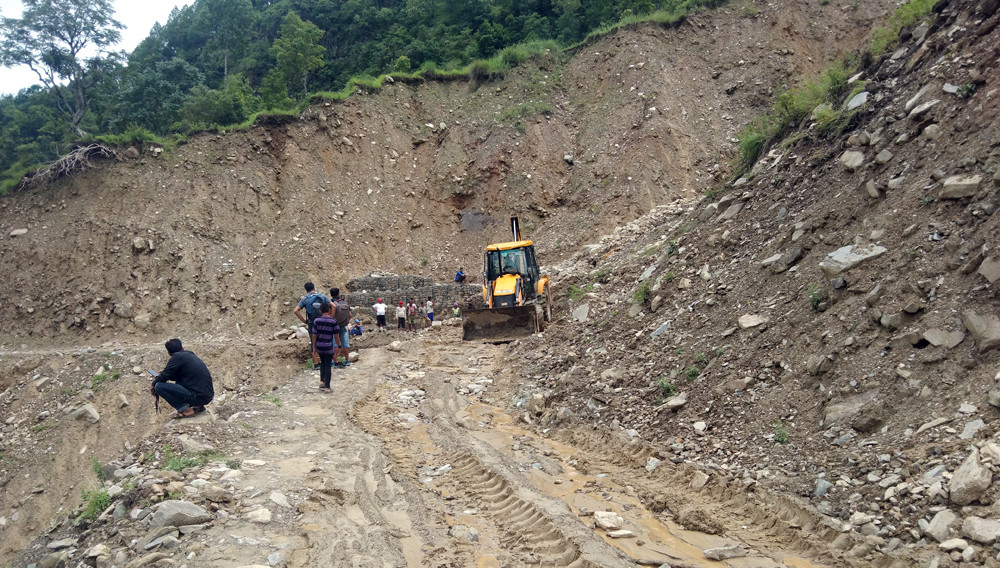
x=409, y=315
x=329, y=323
x=186, y=383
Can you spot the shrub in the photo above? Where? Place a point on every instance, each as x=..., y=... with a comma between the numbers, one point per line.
x=642, y=294
x=94, y=503
x=576, y=292
x=666, y=389
x=180, y=463
x=692, y=373
x=816, y=295
x=98, y=468
x=780, y=433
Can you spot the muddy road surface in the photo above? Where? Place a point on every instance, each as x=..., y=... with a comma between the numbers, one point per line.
x=414, y=460
x=428, y=452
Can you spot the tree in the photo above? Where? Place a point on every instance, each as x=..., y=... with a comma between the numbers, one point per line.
x=232, y=104
x=297, y=51
x=151, y=97
x=226, y=25
x=52, y=38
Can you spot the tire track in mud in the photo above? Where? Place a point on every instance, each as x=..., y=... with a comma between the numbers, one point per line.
x=523, y=527
x=519, y=526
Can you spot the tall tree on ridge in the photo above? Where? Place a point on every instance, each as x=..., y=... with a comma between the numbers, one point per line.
x=51, y=38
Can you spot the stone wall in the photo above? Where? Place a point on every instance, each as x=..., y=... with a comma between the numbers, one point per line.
x=393, y=288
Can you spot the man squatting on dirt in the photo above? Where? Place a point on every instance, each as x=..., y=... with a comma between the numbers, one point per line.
x=192, y=387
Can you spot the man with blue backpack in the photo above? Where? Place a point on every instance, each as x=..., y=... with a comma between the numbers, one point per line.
x=311, y=303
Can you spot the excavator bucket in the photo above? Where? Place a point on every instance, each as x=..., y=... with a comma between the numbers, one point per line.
x=501, y=324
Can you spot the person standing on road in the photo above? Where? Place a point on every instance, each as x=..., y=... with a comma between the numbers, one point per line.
x=430, y=309
x=325, y=342
x=411, y=315
x=342, y=313
x=192, y=387
x=380, y=308
x=400, y=317
x=310, y=303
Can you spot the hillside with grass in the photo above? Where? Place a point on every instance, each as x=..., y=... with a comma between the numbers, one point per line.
x=216, y=64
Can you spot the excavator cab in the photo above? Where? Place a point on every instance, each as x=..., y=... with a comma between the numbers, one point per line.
x=510, y=274
x=515, y=291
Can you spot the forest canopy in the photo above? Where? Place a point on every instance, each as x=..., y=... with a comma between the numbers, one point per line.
x=218, y=62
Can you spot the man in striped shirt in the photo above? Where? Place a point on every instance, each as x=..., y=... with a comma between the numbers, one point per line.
x=326, y=339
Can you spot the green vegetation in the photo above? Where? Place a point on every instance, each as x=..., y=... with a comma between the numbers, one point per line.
x=780, y=433
x=643, y=293
x=967, y=90
x=884, y=38
x=223, y=64
x=816, y=295
x=98, y=380
x=791, y=108
x=821, y=99
x=525, y=109
x=39, y=427
x=669, y=277
x=98, y=469
x=180, y=463
x=576, y=292
x=273, y=399
x=666, y=388
x=94, y=503
x=692, y=373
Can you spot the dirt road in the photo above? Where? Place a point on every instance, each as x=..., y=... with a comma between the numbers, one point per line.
x=412, y=461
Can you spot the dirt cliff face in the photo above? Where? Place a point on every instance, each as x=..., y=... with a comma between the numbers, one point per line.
x=223, y=230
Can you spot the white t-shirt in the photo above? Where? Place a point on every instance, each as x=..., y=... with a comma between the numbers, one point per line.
x=379, y=308
x=430, y=307
x=400, y=312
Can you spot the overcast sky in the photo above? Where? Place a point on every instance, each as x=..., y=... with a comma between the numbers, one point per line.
x=138, y=16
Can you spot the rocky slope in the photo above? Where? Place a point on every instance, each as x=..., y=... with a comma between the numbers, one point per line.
x=829, y=327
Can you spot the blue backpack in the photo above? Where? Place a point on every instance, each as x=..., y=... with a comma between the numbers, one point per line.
x=313, y=302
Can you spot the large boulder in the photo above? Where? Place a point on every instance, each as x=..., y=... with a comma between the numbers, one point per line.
x=985, y=329
x=852, y=159
x=940, y=526
x=848, y=257
x=985, y=531
x=970, y=481
x=957, y=187
x=179, y=513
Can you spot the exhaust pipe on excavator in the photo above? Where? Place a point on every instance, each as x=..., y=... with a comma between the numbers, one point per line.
x=515, y=227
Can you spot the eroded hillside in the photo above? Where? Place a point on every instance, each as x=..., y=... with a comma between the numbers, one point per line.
x=414, y=178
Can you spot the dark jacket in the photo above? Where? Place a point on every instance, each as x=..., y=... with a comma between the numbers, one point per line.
x=190, y=372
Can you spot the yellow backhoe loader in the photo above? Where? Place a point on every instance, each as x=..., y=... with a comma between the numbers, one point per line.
x=515, y=291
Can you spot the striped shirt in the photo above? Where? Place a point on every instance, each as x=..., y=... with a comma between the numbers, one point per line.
x=325, y=327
